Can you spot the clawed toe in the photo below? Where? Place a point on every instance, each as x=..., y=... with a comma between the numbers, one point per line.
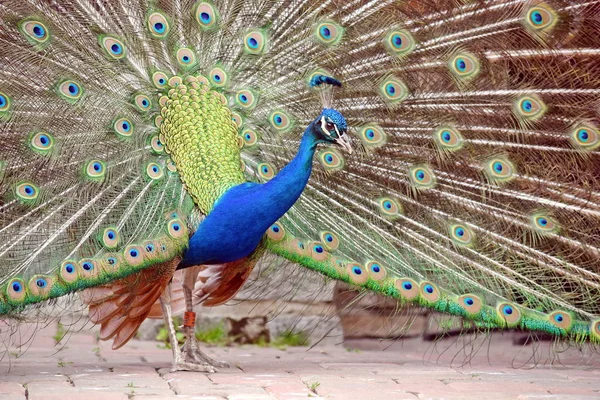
x=187, y=366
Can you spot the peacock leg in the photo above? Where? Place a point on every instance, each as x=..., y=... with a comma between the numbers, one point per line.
x=179, y=362
x=191, y=347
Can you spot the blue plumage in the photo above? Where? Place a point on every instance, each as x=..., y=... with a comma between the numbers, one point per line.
x=239, y=219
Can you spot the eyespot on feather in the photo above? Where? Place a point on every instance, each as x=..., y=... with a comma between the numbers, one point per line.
x=40, y=285
x=112, y=46
x=508, y=313
x=171, y=167
x=409, y=288
x=561, y=320
x=157, y=24
x=276, y=232
x=111, y=262
x=331, y=159
x=207, y=15
x=110, y=238
x=41, y=142
x=218, y=77
x=154, y=171
x=68, y=271
x=328, y=32
x=470, y=303
x=330, y=240
x=429, y=292
x=249, y=137
x=133, y=255
x=160, y=79
x=176, y=228
x=464, y=66
x=34, y=31
x=399, y=42
x=70, y=91
x=421, y=177
x=541, y=18
x=448, y=139
x=393, y=90
x=186, y=57
x=4, y=103
x=595, y=329
x=265, y=171
x=151, y=248
x=317, y=251
x=156, y=145
x=27, y=193
x=174, y=81
x=585, y=137
x=529, y=107
x=281, y=121
x=95, y=170
x=357, y=273
x=15, y=289
x=499, y=170
x=142, y=102
x=246, y=99
x=376, y=270
x=237, y=119
x=389, y=207
x=123, y=127
x=372, y=136
x=255, y=42
x=297, y=246
x=461, y=235
x=88, y=268
x=543, y=223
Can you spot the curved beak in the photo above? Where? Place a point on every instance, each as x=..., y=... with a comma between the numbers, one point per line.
x=344, y=141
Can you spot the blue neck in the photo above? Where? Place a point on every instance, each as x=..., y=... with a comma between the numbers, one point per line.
x=281, y=192
x=239, y=219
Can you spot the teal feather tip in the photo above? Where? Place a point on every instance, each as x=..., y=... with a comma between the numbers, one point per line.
x=318, y=80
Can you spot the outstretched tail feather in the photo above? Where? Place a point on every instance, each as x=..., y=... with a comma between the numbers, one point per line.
x=474, y=193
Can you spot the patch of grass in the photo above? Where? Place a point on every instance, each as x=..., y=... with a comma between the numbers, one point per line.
x=350, y=350
x=163, y=336
x=313, y=386
x=215, y=335
x=60, y=333
x=63, y=364
x=130, y=385
x=290, y=339
x=96, y=350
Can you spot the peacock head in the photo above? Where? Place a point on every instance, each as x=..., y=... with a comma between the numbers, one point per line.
x=331, y=127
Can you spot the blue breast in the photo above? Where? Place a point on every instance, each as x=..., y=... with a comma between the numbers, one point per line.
x=239, y=219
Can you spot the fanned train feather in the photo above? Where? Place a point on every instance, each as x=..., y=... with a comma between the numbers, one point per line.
x=127, y=127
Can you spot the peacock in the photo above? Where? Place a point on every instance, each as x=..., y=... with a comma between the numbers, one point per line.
x=441, y=153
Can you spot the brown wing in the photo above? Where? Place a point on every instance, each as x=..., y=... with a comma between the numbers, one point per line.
x=121, y=306
x=214, y=284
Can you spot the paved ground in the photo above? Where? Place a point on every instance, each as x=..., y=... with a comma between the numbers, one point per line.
x=409, y=369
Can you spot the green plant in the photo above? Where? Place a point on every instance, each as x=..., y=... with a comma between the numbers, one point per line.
x=215, y=335
x=290, y=339
x=63, y=364
x=163, y=334
x=60, y=333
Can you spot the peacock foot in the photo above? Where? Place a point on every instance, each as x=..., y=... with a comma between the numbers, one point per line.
x=192, y=354
x=188, y=366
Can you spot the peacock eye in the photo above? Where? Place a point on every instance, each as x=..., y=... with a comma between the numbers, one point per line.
x=329, y=126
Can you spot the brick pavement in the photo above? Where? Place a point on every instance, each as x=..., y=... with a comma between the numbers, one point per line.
x=409, y=369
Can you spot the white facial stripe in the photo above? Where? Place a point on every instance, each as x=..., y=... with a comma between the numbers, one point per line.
x=336, y=130
x=323, y=123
